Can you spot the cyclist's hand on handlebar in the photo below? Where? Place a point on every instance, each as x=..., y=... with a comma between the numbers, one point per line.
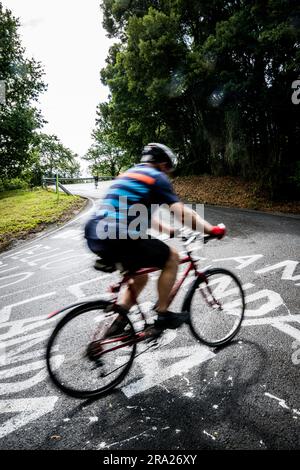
x=219, y=231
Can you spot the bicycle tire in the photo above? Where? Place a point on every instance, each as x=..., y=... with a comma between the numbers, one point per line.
x=53, y=353
x=201, y=327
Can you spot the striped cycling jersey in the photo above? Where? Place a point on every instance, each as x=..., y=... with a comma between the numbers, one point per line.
x=126, y=208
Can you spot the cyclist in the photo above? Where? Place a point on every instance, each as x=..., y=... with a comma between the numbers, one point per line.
x=111, y=232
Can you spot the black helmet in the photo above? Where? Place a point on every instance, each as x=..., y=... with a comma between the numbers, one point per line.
x=158, y=153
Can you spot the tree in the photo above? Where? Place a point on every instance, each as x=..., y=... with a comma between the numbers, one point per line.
x=19, y=118
x=54, y=158
x=105, y=157
x=210, y=78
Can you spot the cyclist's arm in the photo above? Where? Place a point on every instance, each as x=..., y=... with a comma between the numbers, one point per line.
x=161, y=227
x=190, y=218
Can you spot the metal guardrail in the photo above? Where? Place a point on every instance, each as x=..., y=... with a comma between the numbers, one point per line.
x=83, y=180
x=57, y=181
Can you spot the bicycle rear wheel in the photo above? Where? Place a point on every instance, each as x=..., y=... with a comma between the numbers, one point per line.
x=80, y=361
x=216, y=303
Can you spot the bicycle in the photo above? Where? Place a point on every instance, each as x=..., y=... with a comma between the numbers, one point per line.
x=83, y=363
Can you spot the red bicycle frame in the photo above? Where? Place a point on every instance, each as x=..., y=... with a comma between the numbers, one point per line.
x=128, y=276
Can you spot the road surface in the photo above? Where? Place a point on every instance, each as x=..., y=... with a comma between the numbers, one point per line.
x=245, y=396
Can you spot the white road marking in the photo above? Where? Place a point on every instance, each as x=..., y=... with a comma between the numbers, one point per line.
x=289, y=269
x=243, y=261
x=21, y=370
x=44, y=249
x=7, y=388
x=6, y=311
x=76, y=290
x=155, y=373
x=288, y=329
x=56, y=264
x=25, y=275
x=27, y=409
x=9, y=269
x=271, y=320
x=73, y=234
x=25, y=250
x=273, y=301
x=38, y=286
x=35, y=261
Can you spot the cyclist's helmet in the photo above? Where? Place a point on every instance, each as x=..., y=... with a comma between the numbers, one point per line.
x=159, y=153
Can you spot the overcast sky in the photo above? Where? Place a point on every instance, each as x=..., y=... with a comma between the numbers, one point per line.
x=68, y=38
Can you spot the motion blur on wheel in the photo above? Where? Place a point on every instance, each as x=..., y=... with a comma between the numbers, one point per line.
x=81, y=360
x=216, y=304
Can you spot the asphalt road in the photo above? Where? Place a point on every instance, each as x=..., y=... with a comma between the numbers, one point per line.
x=181, y=395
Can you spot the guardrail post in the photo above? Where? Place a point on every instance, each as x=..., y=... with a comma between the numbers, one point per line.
x=57, y=188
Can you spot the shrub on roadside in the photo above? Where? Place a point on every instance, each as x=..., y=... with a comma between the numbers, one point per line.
x=14, y=183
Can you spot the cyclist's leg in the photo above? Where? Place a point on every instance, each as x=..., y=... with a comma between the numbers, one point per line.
x=167, y=280
x=150, y=253
x=137, y=254
x=137, y=284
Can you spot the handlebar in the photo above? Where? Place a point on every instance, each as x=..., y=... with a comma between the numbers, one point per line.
x=189, y=236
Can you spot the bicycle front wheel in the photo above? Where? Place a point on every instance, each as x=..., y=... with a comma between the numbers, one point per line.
x=80, y=360
x=216, y=303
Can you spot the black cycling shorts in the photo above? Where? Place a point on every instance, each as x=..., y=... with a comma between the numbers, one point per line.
x=132, y=254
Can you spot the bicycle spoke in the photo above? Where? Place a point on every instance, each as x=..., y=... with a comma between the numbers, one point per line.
x=79, y=339
x=217, y=307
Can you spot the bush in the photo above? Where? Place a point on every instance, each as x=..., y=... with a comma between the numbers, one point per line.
x=14, y=183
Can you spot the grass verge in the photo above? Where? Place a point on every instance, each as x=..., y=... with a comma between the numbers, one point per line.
x=230, y=192
x=25, y=212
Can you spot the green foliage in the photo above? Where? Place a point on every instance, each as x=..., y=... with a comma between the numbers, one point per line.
x=50, y=157
x=25, y=211
x=211, y=79
x=18, y=116
x=105, y=157
x=14, y=183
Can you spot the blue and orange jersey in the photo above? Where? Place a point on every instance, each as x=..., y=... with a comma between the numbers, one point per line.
x=143, y=185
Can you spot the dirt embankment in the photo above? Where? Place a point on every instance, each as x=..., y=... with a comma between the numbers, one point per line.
x=230, y=192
